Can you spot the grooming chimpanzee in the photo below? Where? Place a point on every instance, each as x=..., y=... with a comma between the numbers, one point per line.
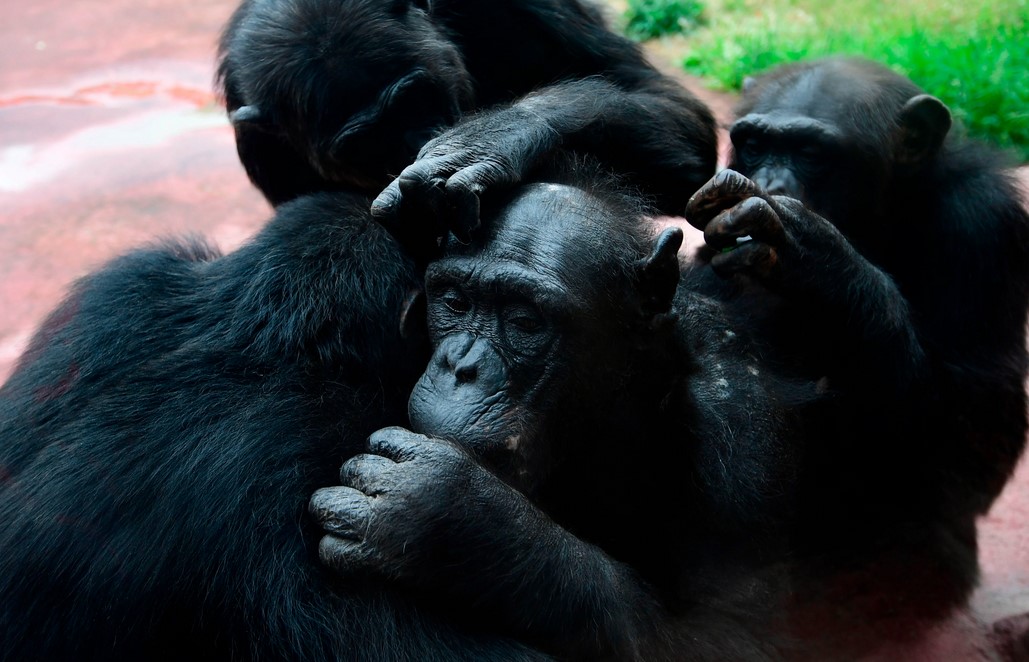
x=343, y=94
x=161, y=437
x=900, y=258
x=648, y=436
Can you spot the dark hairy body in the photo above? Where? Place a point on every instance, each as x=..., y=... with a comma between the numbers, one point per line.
x=162, y=435
x=344, y=95
x=601, y=465
x=891, y=259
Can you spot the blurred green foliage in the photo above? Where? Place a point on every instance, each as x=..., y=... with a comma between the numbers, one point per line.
x=646, y=19
x=972, y=54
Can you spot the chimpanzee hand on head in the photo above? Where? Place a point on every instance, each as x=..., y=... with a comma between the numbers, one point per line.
x=342, y=94
x=493, y=150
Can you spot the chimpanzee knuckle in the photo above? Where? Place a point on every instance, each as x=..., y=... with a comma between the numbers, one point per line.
x=734, y=184
x=439, y=147
x=722, y=230
x=387, y=204
x=343, y=555
x=396, y=443
x=754, y=258
x=764, y=222
x=341, y=511
x=365, y=472
x=708, y=203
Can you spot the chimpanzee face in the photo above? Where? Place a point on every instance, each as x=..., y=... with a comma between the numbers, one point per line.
x=536, y=325
x=836, y=135
x=504, y=317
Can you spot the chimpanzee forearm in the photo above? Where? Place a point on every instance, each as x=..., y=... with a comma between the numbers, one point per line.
x=869, y=332
x=560, y=593
x=423, y=512
x=654, y=132
x=864, y=334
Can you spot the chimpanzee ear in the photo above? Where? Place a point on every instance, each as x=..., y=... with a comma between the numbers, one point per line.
x=924, y=123
x=414, y=323
x=658, y=273
x=248, y=115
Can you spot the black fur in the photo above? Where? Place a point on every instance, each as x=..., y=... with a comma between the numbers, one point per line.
x=652, y=438
x=897, y=270
x=162, y=435
x=309, y=86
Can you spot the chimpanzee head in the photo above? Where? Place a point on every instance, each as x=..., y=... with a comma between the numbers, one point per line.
x=837, y=134
x=545, y=326
x=355, y=87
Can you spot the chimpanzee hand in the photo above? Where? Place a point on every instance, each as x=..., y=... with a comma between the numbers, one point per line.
x=774, y=239
x=492, y=149
x=410, y=508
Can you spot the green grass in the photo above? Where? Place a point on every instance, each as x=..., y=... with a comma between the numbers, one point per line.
x=972, y=54
x=646, y=19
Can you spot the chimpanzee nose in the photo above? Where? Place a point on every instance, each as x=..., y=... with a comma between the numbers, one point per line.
x=778, y=181
x=466, y=370
x=472, y=361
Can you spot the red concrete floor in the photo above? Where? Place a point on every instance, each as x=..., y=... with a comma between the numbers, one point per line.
x=110, y=137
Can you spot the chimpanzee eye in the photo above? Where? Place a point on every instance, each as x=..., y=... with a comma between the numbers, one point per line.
x=455, y=303
x=810, y=158
x=751, y=152
x=524, y=319
x=526, y=324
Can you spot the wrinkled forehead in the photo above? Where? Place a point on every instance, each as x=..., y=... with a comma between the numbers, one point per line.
x=553, y=230
x=550, y=227
x=822, y=94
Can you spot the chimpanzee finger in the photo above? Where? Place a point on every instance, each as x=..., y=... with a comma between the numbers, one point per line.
x=343, y=555
x=726, y=189
x=341, y=511
x=754, y=218
x=396, y=443
x=366, y=473
x=755, y=258
x=423, y=187
x=386, y=206
x=463, y=191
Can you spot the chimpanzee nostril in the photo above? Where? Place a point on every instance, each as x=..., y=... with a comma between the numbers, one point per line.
x=466, y=372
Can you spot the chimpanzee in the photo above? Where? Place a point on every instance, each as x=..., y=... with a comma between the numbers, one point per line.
x=342, y=95
x=897, y=256
x=162, y=435
x=651, y=440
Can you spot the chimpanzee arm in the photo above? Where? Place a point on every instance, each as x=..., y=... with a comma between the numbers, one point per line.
x=652, y=131
x=791, y=250
x=423, y=511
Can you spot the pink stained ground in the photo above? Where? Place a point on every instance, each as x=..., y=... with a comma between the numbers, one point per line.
x=111, y=137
